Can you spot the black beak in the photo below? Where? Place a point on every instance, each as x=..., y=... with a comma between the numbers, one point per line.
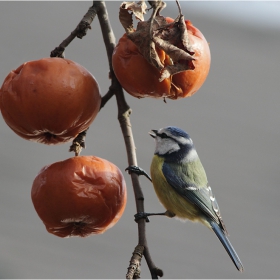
x=153, y=133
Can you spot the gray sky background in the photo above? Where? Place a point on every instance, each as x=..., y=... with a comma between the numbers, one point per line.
x=233, y=120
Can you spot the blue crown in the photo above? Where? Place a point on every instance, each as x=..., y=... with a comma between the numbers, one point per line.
x=177, y=131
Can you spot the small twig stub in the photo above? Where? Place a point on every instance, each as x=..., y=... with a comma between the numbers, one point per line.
x=134, y=269
x=79, y=143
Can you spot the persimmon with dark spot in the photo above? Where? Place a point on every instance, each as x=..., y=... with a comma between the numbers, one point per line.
x=79, y=196
x=50, y=100
x=141, y=79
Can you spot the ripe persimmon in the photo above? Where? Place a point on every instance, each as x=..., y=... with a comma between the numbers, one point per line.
x=141, y=79
x=79, y=196
x=50, y=100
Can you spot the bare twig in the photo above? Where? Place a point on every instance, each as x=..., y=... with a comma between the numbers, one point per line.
x=80, y=31
x=107, y=97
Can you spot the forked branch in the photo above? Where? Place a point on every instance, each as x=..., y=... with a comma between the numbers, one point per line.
x=99, y=8
x=124, y=112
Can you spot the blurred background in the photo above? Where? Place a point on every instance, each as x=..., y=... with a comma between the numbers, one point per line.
x=233, y=120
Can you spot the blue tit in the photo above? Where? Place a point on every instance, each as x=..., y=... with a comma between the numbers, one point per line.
x=181, y=184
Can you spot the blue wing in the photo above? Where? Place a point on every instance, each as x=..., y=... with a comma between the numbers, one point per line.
x=187, y=185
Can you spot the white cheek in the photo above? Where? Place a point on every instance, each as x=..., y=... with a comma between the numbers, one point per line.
x=165, y=146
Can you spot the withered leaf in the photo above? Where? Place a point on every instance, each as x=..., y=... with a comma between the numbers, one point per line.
x=125, y=18
x=138, y=9
x=184, y=33
x=173, y=39
x=142, y=38
x=125, y=15
x=157, y=6
x=181, y=60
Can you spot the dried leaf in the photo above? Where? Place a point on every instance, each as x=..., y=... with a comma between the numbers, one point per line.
x=173, y=39
x=125, y=18
x=142, y=39
x=184, y=33
x=182, y=61
x=138, y=9
x=125, y=15
x=175, y=33
x=157, y=6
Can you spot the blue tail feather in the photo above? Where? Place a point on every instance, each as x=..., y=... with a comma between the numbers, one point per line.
x=227, y=245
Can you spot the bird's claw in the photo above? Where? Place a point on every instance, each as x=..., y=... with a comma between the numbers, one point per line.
x=141, y=215
x=138, y=170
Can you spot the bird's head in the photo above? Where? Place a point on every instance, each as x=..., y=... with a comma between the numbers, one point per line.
x=174, y=144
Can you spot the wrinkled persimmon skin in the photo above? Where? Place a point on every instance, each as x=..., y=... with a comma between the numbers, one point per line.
x=141, y=79
x=50, y=100
x=80, y=196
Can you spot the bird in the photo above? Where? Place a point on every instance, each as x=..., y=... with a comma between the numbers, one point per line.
x=181, y=185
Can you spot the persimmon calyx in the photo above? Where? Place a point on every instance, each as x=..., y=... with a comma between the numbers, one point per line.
x=79, y=143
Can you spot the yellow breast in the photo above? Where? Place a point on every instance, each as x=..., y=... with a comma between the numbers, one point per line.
x=170, y=199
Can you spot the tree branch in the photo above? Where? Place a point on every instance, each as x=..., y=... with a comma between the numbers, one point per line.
x=80, y=31
x=99, y=8
x=124, y=112
x=107, y=97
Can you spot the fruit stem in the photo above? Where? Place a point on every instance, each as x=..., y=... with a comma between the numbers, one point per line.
x=79, y=143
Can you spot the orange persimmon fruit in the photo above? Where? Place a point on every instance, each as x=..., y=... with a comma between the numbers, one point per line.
x=50, y=100
x=141, y=79
x=79, y=196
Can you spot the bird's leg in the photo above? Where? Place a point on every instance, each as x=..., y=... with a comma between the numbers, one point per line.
x=138, y=170
x=144, y=215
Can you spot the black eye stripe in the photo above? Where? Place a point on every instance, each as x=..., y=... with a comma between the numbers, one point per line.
x=163, y=135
